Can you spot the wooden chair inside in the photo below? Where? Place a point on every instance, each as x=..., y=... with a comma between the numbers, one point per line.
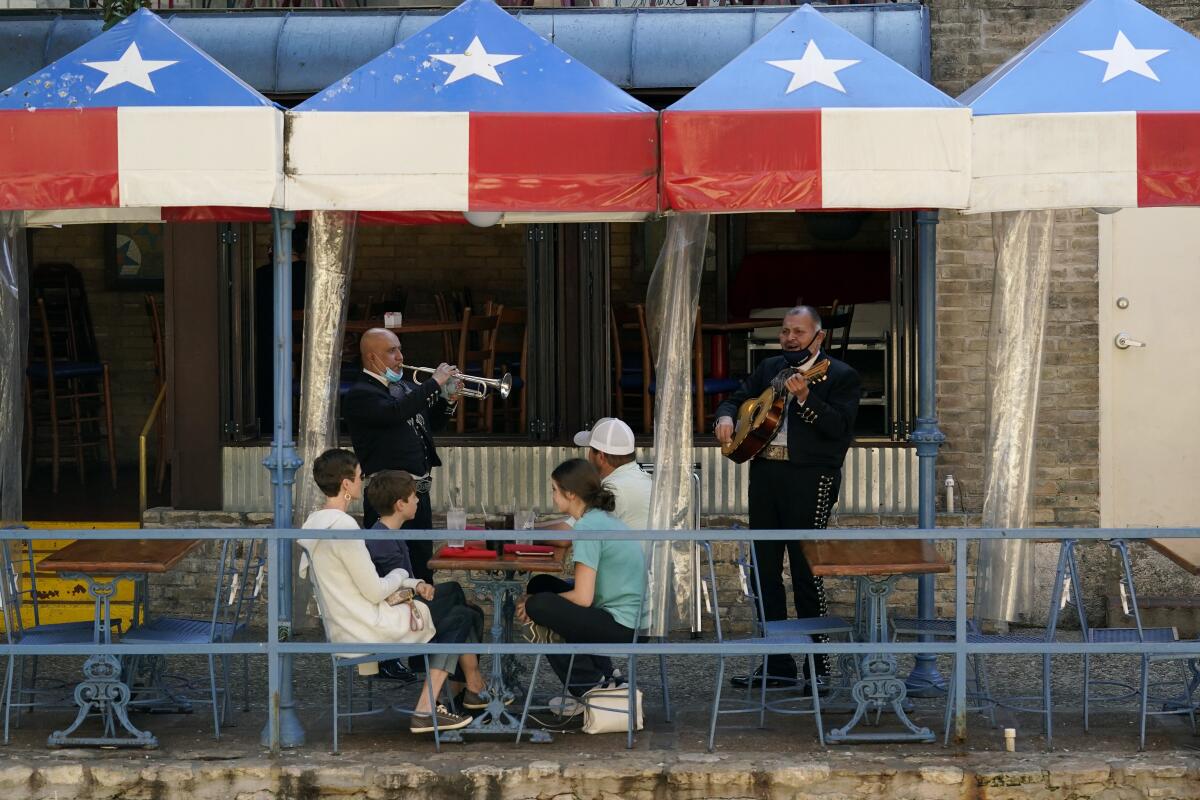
x=160, y=380
x=62, y=393
x=629, y=358
x=479, y=362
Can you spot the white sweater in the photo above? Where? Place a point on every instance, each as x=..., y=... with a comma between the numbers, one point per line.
x=352, y=594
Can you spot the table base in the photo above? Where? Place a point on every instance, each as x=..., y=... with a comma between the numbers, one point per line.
x=103, y=692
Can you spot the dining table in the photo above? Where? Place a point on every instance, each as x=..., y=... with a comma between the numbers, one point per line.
x=501, y=580
x=876, y=566
x=105, y=690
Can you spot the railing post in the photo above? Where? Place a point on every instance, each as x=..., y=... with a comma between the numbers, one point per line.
x=925, y=680
x=283, y=727
x=960, y=640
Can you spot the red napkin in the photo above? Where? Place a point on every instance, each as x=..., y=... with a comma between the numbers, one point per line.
x=466, y=552
x=528, y=549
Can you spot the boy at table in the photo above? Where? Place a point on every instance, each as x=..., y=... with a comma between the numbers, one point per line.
x=393, y=495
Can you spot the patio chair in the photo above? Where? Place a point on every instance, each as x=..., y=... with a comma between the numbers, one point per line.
x=631, y=710
x=240, y=573
x=1066, y=575
x=1138, y=633
x=781, y=632
x=16, y=694
x=350, y=662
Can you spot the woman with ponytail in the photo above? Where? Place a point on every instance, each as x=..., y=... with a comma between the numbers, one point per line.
x=603, y=602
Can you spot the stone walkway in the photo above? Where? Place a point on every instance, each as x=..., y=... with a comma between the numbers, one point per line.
x=381, y=759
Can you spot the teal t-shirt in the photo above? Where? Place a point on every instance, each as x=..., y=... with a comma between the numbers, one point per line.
x=620, y=567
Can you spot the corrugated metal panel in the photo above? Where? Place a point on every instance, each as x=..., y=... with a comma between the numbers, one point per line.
x=278, y=51
x=876, y=480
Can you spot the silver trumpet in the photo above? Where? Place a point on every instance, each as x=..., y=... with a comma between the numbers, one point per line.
x=502, y=386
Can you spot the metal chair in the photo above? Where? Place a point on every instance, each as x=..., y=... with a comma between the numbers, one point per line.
x=240, y=575
x=15, y=632
x=781, y=632
x=1138, y=633
x=348, y=662
x=1066, y=575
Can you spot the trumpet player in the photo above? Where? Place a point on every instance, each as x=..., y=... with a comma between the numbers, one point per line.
x=392, y=420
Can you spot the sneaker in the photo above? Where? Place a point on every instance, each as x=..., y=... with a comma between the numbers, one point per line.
x=564, y=707
x=477, y=702
x=423, y=723
x=540, y=634
x=395, y=670
x=548, y=720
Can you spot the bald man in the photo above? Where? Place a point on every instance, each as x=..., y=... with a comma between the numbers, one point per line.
x=391, y=422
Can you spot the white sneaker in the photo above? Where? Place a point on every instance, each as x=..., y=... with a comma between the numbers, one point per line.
x=564, y=706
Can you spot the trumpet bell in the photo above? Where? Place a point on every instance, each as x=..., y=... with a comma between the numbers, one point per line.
x=505, y=386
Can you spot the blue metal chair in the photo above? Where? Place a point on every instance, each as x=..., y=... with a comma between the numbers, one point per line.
x=239, y=581
x=349, y=662
x=776, y=632
x=30, y=696
x=1138, y=633
x=1066, y=575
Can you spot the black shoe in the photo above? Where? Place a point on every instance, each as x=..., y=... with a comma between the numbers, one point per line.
x=395, y=670
x=773, y=681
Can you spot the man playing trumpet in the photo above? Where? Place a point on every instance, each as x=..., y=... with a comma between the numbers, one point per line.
x=391, y=421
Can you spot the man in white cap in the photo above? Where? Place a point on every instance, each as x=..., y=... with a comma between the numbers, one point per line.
x=611, y=451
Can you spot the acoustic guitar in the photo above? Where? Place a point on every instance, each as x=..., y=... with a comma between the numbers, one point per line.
x=759, y=418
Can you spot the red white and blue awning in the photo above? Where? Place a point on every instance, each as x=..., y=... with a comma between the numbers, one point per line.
x=1102, y=110
x=138, y=117
x=474, y=113
x=811, y=117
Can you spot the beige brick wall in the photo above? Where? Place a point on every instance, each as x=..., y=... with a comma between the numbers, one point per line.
x=121, y=324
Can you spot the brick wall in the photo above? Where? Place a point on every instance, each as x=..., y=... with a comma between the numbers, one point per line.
x=121, y=324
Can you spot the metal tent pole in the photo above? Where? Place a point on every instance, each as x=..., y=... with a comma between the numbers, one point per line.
x=925, y=679
x=283, y=463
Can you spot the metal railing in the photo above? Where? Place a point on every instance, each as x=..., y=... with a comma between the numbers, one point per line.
x=275, y=648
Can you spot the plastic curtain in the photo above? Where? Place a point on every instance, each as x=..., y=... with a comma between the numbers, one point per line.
x=326, y=299
x=14, y=335
x=671, y=302
x=1024, y=244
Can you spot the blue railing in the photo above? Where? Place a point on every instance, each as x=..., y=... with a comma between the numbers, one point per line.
x=960, y=648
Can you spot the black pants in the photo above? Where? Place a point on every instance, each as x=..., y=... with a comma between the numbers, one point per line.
x=784, y=496
x=419, y=552
x=575, y=624
x=455, y=619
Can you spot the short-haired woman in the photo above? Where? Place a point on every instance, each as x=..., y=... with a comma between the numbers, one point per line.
x=354, y=605
x=603, y=602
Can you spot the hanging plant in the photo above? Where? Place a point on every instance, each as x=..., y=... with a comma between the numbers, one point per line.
x=117, y=10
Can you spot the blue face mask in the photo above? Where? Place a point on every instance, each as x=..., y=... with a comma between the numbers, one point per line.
x=392, y=377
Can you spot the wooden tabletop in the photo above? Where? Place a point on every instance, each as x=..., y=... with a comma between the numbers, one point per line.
x=362, y=326
x=1184, y=552
x=885, y=557
x=508, y=563
x=112, y=556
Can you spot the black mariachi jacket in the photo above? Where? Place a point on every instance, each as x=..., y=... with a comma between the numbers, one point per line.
x=384, y=430
x=820, y=432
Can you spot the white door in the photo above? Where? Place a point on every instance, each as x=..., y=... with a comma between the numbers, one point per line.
x=1150, y=368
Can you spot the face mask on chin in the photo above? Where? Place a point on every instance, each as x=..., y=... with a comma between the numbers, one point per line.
x=795, y=358
x=392, y=377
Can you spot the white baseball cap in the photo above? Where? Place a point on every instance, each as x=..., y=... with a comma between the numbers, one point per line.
x=609, y=435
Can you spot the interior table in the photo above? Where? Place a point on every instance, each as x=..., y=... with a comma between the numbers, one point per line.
x=876, y=565
x=101, y=564
x=500, y=580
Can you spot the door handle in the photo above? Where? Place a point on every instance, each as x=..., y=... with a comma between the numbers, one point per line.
x=1124, y=341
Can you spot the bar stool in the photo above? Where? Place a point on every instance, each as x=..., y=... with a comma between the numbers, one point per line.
x=65, y=393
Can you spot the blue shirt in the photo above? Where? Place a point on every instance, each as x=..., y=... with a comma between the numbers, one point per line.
x=387, y=554
x=620, y=567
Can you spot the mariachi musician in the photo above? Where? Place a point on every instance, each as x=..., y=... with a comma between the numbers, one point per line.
x=795, y=478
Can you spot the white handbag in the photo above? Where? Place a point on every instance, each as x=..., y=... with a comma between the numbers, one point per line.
x=606, y=710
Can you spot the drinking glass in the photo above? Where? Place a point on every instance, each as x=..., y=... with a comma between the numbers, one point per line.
x=524, y=521
x=456, y=520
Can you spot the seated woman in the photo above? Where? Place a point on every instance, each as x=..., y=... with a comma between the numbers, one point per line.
x=354, y=606
x=602, y=603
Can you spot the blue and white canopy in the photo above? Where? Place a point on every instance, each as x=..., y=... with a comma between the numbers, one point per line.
x=810, y=116
x=474, y=113
x=1101, y=110
x=138, y=117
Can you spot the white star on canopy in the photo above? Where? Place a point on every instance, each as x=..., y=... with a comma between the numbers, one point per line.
x=475, y=61
x=129, y=68
x=814, y=67
x=1124, y=57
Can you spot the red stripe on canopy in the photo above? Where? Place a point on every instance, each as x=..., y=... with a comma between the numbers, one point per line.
x=1168, y=153
x=58, y=158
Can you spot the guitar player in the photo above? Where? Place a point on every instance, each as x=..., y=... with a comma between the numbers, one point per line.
x=794, y=480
